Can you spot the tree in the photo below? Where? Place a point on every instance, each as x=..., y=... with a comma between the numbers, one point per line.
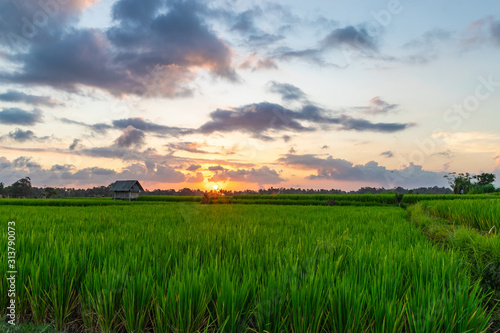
x=22, y=188
x=485, y=179
x=460, y=183
x=49, y=192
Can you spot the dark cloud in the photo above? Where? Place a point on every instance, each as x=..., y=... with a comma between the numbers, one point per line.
x=255, y=119
x=22, y=136
x=495, y=31
x=387, y=154
x=310, y=55
x=60, y=168
x=190, y=147
x=67, y=175
x=131, y=137
x=259, y=119
x=153, y=48
x=244, y=23
x=292, y=151
x=338, y=169
x=349, y=123
x=15, y=116
x=324, y=147
x=262, y=176
x=147, y=126
x=353, y=37
x=98, y=128
x=193, y=167
x=25, y=162
x=216, y=168
x=74, y=144
x=287, y=91
x=447, y=153
x=20, y=97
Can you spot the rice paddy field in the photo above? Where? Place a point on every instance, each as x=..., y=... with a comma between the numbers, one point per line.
x=175, y=265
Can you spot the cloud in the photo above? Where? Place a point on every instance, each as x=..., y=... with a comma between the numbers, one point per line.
x=244, y=23
x=190, y=147
x=255, y=62
x=68, y=175
x=196, y=179
x=98, y=128
x=15, y=116
x=495, y=31
x=17, y=96
x=74, y=144
x=262, y=176
x=387, y=154
x=148, y=126
x=22, y=136
x=325, y=147
x=131, y=137
x=356, y=38
x=287, y=91
x=341, y=170
x=216, y=168
x=483, y=31
x=193, y=167
x=153, y=48
x=378, y=106
x=24, y=162
x=260, y=119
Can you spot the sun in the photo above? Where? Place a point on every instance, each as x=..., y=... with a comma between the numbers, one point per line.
x=215, y=187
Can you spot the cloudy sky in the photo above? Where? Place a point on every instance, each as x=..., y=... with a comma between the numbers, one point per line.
x=248, y=94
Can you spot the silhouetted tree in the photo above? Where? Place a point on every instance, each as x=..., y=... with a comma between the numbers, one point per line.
x=22, y=188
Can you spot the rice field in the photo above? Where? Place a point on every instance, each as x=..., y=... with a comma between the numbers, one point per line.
x=483, y=215
x=186, y=267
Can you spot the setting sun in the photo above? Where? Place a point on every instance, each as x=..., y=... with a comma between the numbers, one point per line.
x=215, y=187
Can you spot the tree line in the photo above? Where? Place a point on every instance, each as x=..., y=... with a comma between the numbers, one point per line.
x=461, y=183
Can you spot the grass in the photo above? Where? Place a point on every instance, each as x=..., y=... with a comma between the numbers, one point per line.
x=186, y=267
x=444, y=223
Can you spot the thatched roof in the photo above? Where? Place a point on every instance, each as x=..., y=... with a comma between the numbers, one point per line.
x=125, y=186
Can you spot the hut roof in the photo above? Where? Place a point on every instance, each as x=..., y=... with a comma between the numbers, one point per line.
x=125, y=185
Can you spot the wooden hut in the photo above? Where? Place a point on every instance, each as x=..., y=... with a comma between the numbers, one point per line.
x=126, y=189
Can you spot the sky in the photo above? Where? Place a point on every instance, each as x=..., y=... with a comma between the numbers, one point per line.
x=248, y=94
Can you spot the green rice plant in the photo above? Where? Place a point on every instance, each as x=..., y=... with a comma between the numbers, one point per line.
x=186, y=267
x=233, y=302
x=347, y=302
x=480, y=214
x=38, y=283
x=63, y=294
x=138, y=301
x=307, y=305
x=103, y=297
x=272, y=311
x=182, y=303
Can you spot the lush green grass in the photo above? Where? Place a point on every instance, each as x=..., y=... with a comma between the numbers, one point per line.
x=479, y=214
x=186, y=267
x=443, y=222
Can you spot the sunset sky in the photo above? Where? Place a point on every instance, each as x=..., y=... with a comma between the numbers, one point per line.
x=248, y=94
